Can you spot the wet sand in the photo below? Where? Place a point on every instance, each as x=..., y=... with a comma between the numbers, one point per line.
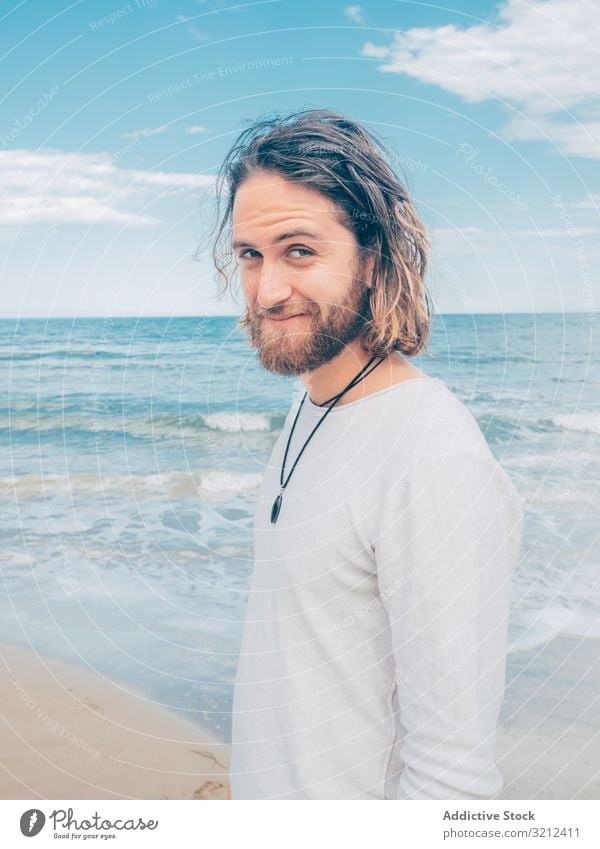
x=67, y=733
x=549, y=733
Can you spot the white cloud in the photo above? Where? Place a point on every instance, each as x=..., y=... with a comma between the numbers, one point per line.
x=557, y=232
x=79, y=188
x=196, y=34
x=196, y=129
x=144, y=133
x=541, y=60
x=355, y=13
x=592, y=201
x=459, y=240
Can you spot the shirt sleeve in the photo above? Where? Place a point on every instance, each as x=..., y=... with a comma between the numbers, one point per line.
x=449, y=534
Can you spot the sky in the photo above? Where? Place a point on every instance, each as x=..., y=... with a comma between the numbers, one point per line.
x=115, y=117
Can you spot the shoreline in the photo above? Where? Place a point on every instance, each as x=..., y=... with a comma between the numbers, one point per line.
x=67, y=733
x=548, y=743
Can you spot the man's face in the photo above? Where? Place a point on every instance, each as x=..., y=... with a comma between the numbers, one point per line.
x=296, y=259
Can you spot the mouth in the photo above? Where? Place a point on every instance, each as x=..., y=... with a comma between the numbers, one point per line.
x=286, y=319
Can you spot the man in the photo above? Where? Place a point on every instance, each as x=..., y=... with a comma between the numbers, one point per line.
x=373, y=656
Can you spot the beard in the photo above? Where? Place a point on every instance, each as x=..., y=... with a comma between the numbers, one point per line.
x=317, y=339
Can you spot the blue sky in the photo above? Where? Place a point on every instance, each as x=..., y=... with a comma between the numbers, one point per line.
x=116, y=115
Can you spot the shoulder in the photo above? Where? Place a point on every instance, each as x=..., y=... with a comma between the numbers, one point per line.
x=434, y=420
x=449, y=445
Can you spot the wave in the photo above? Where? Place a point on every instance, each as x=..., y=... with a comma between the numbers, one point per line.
x=500, y=428
x=548, y=462
x=87, y=422
x=558, y=496
x=84, y=416
x=173, y=484
x=240, y=422
x=67, y=354
x=497, y=399
x=584, y=422
x=535, y=628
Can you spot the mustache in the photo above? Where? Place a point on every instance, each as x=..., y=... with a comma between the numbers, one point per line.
x=281, y=313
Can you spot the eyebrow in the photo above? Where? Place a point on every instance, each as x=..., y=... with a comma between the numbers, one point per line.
x=291, y=234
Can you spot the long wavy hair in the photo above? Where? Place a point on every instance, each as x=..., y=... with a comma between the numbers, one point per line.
x=331, y=153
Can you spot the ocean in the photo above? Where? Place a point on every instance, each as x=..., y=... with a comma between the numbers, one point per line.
x=132, y=450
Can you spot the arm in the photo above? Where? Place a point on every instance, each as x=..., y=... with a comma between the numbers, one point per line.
x=448, y=538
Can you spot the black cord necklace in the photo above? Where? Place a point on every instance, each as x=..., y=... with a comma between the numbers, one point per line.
x=356, y=379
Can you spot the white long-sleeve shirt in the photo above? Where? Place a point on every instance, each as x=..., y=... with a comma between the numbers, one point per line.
x=373, y=656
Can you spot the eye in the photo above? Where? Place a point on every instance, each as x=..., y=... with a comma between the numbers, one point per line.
x=243, y=254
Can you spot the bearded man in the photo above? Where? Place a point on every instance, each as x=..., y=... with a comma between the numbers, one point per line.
x=373, y=657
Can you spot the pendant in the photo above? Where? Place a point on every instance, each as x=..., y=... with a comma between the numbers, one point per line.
x=276, y=507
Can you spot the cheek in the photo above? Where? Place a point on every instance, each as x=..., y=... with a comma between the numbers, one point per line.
x=327, y=282
x=249, y=283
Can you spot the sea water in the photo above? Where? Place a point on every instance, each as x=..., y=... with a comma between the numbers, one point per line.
x=132, y=450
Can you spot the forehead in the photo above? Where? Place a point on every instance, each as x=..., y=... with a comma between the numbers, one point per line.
x=265, y=201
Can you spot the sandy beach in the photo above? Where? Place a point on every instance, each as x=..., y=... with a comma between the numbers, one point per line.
x=67, y=733
x=549, y=733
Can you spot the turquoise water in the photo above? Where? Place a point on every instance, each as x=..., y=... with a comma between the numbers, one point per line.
x=131, y=454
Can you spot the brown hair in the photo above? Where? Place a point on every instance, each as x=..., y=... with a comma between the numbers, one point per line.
x=333, y=154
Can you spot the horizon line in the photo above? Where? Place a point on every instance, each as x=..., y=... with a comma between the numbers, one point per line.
x=235, y=315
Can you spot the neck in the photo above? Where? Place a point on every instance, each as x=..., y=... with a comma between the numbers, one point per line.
x=331, y=378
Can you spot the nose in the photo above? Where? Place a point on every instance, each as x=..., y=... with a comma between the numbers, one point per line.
x=273, y=287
